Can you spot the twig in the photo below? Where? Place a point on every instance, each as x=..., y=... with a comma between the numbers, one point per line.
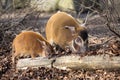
x=97, y=46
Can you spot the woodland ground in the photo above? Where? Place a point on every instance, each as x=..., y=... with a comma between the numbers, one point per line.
x=13, y=23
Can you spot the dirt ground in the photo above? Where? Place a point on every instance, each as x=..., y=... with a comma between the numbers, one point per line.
x=13, y=23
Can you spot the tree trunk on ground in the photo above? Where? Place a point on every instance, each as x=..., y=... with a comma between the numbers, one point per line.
x=73, y=62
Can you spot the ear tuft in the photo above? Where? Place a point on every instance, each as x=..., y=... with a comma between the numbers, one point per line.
x=42, y=42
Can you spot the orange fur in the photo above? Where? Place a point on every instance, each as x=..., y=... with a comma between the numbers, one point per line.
x=58, y=29
x=30, y=43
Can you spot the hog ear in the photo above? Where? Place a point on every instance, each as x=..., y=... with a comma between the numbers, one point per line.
x=42, y=43
x=78, y=40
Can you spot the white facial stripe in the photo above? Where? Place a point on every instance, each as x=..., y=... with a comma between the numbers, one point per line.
x=72, y=28
x=79, y=43
x=72, y=47
x=81, y=46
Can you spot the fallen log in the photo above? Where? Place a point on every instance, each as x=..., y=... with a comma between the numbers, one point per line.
x=37, y=62
x=73, y=62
